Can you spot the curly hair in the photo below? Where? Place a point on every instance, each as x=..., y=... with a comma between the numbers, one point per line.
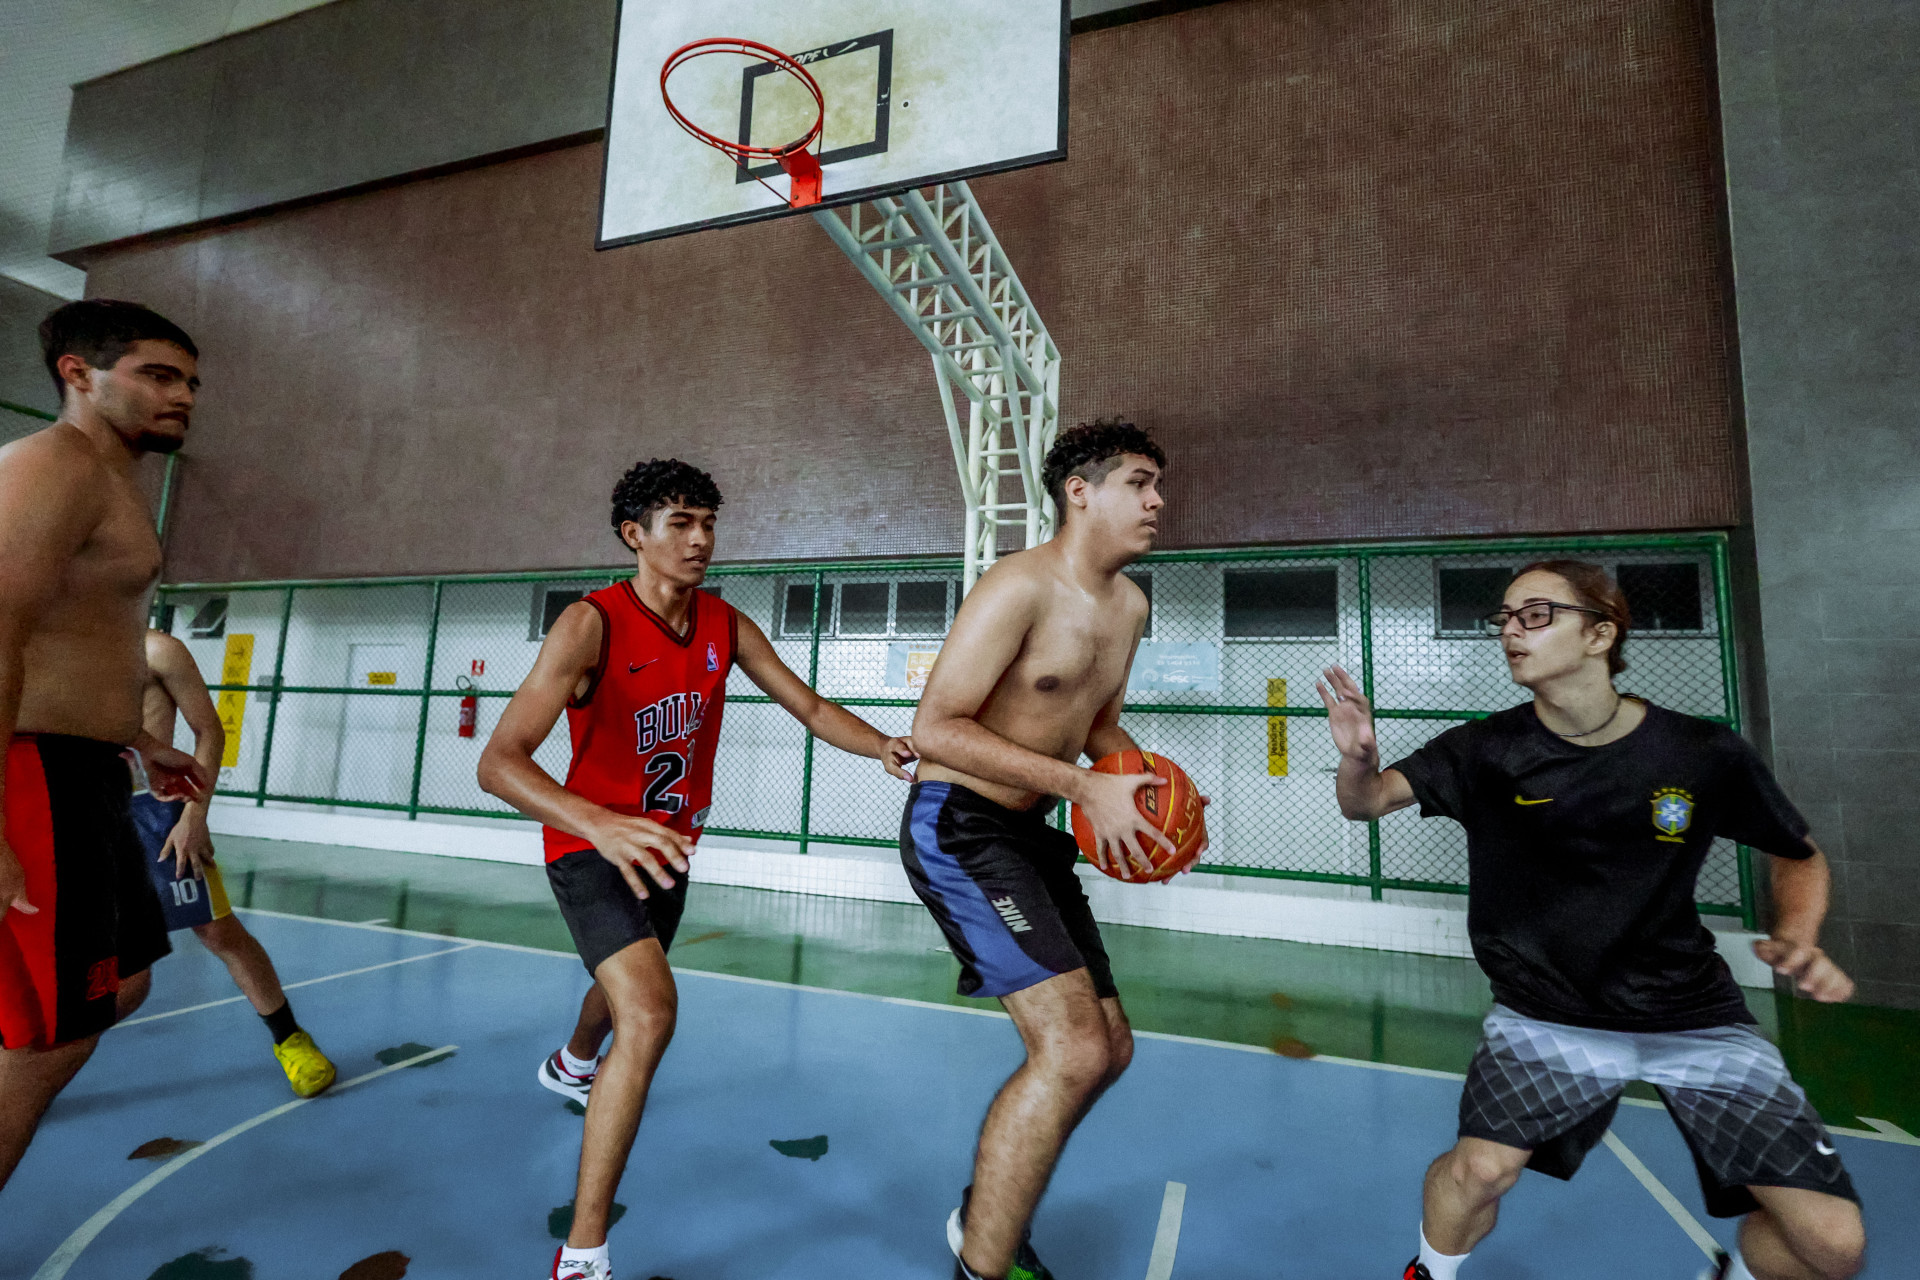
x=100, y=331
x=658, y=482
x=1091, y=451
x=1594, y=588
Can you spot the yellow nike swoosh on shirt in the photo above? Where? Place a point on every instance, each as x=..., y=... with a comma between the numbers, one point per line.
x=1524, y=800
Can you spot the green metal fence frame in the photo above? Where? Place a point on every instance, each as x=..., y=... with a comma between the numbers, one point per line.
x=1364, y=555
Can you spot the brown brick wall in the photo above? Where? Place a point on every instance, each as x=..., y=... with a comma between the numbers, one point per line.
x=1371, y=268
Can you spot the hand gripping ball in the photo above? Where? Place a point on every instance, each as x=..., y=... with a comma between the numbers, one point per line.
x=1173, y=808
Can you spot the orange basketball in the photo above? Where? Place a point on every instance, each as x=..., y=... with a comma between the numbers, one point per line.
x=1174, y=809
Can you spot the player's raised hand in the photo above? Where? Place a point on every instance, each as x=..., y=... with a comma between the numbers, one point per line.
x=897, y=756
x=634, y=845
x=1110, y=802
x=13, y=884
x=1349, y=715
x=1814, y=975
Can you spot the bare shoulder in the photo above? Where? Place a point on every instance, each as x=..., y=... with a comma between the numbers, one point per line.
x=58, y=455
x=575, y=635
x=1020, y=578
x=166, y=653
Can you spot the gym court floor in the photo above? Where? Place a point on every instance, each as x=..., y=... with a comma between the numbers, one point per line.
x=816, y=1114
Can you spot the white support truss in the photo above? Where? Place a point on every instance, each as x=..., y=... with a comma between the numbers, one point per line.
x=935, y=260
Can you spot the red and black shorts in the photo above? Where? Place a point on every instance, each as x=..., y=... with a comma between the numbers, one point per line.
x=98, y=919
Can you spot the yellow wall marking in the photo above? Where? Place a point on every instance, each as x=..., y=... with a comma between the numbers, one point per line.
x=1276, y=730
x=235, y=668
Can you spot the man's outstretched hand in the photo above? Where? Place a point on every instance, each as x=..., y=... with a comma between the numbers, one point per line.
x=1814, y=975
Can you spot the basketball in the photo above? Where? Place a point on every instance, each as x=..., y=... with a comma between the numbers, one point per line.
x=1173, y=808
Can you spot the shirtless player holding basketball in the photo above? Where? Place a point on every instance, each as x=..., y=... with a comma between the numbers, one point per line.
x=1032, y=676
x=79, y=922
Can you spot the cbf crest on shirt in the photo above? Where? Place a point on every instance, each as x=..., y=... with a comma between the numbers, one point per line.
x=1672, y=814
x=645, y=730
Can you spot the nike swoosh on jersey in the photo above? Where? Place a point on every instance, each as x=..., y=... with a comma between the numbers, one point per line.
x=1524, y=800
x=631, y=669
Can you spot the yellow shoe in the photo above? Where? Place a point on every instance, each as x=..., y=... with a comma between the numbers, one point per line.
x=308, y=1070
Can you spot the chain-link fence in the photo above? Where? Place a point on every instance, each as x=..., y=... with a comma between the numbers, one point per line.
x=375, y=680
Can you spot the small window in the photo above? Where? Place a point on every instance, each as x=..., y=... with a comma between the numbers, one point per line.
x=1283, y=604
x=1662, y=597
x=1143, y=579
x=210, y=620
x=1468, y=595
x=920, y=609
x=548, y=604
x=863, y=608
x=796, y=617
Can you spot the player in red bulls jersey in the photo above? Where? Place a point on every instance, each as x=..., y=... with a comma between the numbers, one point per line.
x=640, y=668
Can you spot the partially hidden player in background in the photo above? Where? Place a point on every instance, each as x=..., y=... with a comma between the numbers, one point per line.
x=640, y=669
x=180, y=860
x=79, y=922
x=1589, y=814
x=1032, y=677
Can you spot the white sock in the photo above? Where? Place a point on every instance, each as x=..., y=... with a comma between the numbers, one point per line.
x=1441, y=1266
x=1737, y=1269
x=575, y=1257
x=579, y=1066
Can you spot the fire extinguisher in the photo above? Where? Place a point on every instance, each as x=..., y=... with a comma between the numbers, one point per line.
x=469, y=706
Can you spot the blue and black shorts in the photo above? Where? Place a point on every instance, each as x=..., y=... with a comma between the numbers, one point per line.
x=1001, y=884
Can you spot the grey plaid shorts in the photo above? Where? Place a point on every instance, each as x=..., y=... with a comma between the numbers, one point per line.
x=1552, y=1090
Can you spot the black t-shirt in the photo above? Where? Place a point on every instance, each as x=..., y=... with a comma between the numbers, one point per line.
x=1582, y=861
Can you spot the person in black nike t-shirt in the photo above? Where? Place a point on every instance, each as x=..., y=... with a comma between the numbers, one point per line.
x=1588, y=816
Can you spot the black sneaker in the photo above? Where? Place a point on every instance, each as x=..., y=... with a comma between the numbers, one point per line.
x=1417, y=1270
x=1026, y=1264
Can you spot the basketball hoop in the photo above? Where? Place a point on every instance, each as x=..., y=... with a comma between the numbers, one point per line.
x=802, y=166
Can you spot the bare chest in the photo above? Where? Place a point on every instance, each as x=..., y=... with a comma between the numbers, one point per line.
x=116, y=565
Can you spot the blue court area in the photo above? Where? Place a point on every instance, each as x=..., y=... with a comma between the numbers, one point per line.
x=461, y=1166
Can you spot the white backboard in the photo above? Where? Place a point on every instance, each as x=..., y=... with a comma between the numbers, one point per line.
x=917, y=92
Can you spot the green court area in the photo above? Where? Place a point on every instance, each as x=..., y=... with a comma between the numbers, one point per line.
x=1293, y=998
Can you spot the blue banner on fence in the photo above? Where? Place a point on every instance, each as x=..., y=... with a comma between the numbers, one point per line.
x=1193, y=668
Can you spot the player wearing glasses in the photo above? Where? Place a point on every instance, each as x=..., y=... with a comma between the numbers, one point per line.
x=1588, y=815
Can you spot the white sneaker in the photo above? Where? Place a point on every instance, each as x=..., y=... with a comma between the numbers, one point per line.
x=580, y=1270
x=555, y=1076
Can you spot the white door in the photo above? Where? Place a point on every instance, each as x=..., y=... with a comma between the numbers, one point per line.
x=377, y=731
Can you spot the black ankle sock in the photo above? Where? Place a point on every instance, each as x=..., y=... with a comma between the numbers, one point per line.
x=280, y=1023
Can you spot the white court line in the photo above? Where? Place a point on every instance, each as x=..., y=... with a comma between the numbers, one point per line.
x=295, y=986
x=375, y=920
x=70, y=1249
x=1885, y=1130
x=1658, y=1190
x=1166, y=1239
x=1882, y=1131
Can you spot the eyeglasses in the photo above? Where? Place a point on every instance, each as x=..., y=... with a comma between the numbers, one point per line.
x=1532, y=617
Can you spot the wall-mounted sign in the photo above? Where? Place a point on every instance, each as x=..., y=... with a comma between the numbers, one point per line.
x=236, y=667
x=1276, y=730
x=909, y=662
x=383, y=677
x=1189, y=668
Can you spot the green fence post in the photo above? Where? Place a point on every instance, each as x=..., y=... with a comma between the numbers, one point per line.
x=166, y=499
x=1730, y=685
x=813, y=681
x=1364, y=577
x=273, y=697
x=426, y=701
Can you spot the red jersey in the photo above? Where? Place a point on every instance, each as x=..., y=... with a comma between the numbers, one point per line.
x=645, y=731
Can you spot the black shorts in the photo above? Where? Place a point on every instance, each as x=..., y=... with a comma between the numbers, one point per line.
x=601, y=912
x=99, y=921
x=1552, y=1089
x=1001, y=885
